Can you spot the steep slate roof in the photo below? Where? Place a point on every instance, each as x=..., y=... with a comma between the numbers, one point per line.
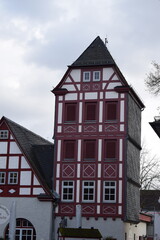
x=37, y=150
x=96, y=54
x=80, y=233
x=149, y=200
x=156, y=126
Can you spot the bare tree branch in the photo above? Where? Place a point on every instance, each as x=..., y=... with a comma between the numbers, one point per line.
x=149, y=170
x=153, y=79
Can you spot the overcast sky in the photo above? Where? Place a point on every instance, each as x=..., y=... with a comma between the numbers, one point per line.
x=40, y=38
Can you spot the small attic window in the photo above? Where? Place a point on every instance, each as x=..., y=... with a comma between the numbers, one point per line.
x=86, y=76
x=3, y=134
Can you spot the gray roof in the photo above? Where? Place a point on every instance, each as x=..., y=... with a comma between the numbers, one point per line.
x=37, y=150
x=149, y=200
x=96, y=54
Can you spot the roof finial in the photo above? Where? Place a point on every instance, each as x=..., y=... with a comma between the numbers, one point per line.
x=106, y=40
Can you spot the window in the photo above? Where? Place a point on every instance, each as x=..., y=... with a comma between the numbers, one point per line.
x=90, y=112
x=110, y=150
x=86, y=76
x=67, y=191
x=2, y=177
x=70, y=112
x=88, y=191
x=96, y=76
x=3, y=134
x=24, y=230
x=109, y=192
x=69, y=150
x=111, y=111
x=89, y=150
x=13, y=178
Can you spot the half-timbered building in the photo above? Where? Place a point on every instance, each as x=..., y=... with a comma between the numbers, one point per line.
x=26, y=163
x=97, y=144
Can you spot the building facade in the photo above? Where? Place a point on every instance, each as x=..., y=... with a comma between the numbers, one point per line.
x=97, y=145
x=26, y=162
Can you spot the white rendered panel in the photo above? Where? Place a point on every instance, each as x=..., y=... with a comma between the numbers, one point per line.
x=59, y=129
x=81, y=96
x=25, y=191
x=120, y=170
x=78, y=170
x=57, y=186
x=59, y=151
x=37, y=191
x=98, y=191
x=98, y=209
x=122, y=111
x=13, y=162
x=60, y=98
x=100, y=111
x=24, y=163
x=107, y=73
x=69, y=87
x=101, y=95
x=79, y=150
x=120, y=192
x=68, y=80
x=14, y=149
x=80, y=112
x=78, y=86
x=111, y=95
x=100, y=128
x=121, y=127
x=35, y=181
x=99, y=170
x=11, y=137
x=3, y=147
x=3, y=162
x=71, y=96
x=120, y=210
x=58, y=171
x=79, y=128
x=99, y=150
x=91, y=95
x=60, y=113
x=115, y=77
x=122, y=95
x=76, y=75
x=78, y=191
x=112, y=85
x=120, y=149
x=25, y=178
x=103, y=85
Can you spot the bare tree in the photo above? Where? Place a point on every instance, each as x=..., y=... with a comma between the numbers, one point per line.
x=153, y=79
x=149, y=170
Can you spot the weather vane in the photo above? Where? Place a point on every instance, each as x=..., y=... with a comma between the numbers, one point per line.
x=106, y=40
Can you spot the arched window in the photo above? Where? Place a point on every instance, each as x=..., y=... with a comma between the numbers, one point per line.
x=24, y=230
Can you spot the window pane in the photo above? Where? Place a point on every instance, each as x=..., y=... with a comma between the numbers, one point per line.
x=111, y=111
x=89, y=149
x=69, y=150
x=90, y=112
x=110, y=149
x=70, y=112
x=86, y=76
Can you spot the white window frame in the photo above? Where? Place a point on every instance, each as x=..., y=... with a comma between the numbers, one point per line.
x=84, y=76
x=110, y=188
x=2, y=178
x=88, y=193
x=4, y=134
x=12, y=178
x=94, y=76
x=71, y=187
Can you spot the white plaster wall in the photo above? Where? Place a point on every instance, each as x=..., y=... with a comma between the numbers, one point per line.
x=139, y=229
x=38, y=213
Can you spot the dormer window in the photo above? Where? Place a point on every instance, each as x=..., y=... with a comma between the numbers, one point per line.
x=86, y=76
x=3, y=134
x=96, y=76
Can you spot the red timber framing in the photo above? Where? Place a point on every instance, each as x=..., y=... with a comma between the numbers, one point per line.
x=18, y=178
x=99, y=134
